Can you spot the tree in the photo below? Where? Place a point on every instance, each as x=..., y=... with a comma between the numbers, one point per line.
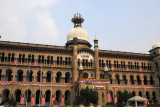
x=123, y=97
x=86, y=97
x=9, y=101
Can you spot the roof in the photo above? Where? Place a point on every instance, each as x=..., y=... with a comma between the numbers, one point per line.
x=137, y=98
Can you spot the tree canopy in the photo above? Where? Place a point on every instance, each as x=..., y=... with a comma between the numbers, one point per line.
x=86, y=97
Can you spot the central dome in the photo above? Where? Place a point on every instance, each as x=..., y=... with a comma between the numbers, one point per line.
x=79, y=32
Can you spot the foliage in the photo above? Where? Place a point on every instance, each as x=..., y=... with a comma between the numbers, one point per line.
x=86, y=97
x=9, y=101
x=153, y=101
x=67, y=102
x=110, y=103
x=123, y=97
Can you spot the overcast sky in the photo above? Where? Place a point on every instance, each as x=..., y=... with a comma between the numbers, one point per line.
x=120, y=25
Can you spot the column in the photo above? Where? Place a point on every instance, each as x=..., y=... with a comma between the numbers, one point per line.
x=1, y=97
x=62, y=100
x=96, y=58
x=99, y=98
x=53, y=100
x=108, y=96
x=22, y=99
x=33, y=99
x=43, y=99
x=74, y=62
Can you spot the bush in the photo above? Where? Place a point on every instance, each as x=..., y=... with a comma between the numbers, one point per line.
x=9, y=101
x=110, y=103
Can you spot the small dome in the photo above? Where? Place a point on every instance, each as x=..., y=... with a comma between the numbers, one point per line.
x=156, y=45
x=79, y=32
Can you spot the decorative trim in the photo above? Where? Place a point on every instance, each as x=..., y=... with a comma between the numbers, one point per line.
x=134, y=86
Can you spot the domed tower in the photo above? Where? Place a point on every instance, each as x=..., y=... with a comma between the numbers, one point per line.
x=78, y=32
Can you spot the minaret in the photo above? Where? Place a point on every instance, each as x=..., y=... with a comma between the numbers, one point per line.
x=74, y=62
x=96, y=58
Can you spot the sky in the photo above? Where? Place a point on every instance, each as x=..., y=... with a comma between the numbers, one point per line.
x=120, y=25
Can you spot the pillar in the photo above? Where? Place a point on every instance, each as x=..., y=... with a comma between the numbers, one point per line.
x=62, y=100
x=99, y=98
x=74, y=62
x=53, y=100
x=43, y=99
x=115, y=99
x=108, y=96
x=22, y=99
x=1, y=97
x=96, y=58
x=33, y=100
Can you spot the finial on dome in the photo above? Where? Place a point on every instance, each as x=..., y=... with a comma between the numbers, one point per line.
x=95, y=38
x=77, y=20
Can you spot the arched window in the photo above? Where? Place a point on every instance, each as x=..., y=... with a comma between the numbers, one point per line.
x=19, y=75
x=67, y=78
x=48, y=97
x=117, y=79
x=57, y=60
x=78, y=62
x=110, y=63
x=58, y=97
x=138, y=80
x=111, y=96
x=154, y=94
x=19, y=58
x=61, y=60
x=29, y=58
x=102, y=63
x=9, y=57
x=85, y=75
x=23, y=58
x=140, y=93
x=86, y=62
x=132, y=80
x=154, y=53
x=12, y=57
x=39, y=59
x=124, y=79
x=145, y=80
x=6, y=93
x=67, y=96
x=2, y=58
x=107, y=63
x=17, y=95
x=99, y=63
x=129, y=65
x=151, y=80
x=115, y=64
x=48, y=78
x=148, y=95
x=51, y=59
x=91, y=63
x=40, y=76
x=29, y=76
x=32, y=58
x=28, y=95
x=9, y=75
x=43, y=59
x=110, y=78
x=133, y=93
x=83, y=62
x=66, y=61
x=59, y=77
x=156, y=66
x=48, y=59
x=38, y=93
x=69, y=61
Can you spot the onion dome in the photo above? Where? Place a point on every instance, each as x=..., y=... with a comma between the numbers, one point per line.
x=81, y=34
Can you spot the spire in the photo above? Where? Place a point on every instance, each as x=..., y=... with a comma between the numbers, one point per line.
x=77, y=20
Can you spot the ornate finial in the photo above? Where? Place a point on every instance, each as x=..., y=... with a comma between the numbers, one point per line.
x=95, y=38
x=77, y=20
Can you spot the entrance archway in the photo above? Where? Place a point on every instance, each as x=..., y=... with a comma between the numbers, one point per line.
x=58, y=97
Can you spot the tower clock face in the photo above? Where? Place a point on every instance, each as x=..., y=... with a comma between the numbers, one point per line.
x=85, y=55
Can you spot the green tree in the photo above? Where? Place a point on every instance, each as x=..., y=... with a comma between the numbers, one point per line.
x=86, y=97
x=123, y=97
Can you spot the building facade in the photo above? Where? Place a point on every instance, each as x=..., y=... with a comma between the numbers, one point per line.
x=35, y=73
